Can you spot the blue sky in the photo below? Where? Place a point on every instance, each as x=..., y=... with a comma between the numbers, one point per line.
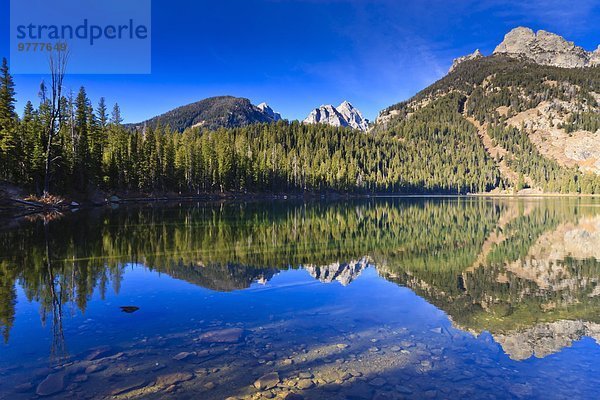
x=299, y=54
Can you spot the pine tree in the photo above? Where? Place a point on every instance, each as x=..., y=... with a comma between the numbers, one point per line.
x=28, y=132
x=82, y=148
x=8, y=122
x=97, y=141
x=116, y=115
x=102, y=114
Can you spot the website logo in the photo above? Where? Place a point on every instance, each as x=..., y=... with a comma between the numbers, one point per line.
x=98, y=36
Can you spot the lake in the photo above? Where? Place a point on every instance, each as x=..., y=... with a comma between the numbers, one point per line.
x=438, y=298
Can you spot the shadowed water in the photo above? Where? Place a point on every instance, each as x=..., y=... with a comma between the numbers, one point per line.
x=370, y=299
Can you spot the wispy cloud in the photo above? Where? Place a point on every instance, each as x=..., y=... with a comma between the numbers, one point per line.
x=385, y=60
x=567, y=18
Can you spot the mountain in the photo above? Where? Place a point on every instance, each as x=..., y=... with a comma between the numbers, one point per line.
x=268, y=111
x=475, y=55
x=213, y=113
x=326, y=114
x=546, y=48
x=353, y=116
x=533, y=107
x=344, y=115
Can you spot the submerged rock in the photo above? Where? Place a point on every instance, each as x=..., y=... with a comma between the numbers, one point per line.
x=402, y=389
x=158, y=367
x=173, y=379
x=521, y=390
x=24, y=387
x=129, y=309
x=77, y=368
x=80, y=378
x=135, y=384
x=361, y=391
x=267, y=381
x=98, y=352
x=184, y=355
x=377, y=382
x=230, y=335
x=94, y=368
x=304, y=384
x=54, y=383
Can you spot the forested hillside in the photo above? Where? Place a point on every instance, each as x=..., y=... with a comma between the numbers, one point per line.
x=457, y=136
x=522, y=107
x=212, y=113
x=438, y=153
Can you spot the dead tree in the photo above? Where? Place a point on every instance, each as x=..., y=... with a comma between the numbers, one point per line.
x=58, y=66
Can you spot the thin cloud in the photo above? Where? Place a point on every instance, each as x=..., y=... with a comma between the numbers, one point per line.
x=574, y=17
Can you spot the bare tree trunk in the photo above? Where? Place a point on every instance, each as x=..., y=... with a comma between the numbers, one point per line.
x=58, y=66
x=58, y=350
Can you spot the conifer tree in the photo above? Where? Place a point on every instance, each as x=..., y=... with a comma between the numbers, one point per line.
x=8, y=122
x=82, y=148
x=102, y=113
x=116, y=118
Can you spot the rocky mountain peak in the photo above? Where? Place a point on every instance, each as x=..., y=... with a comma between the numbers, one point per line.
x=353, y=116
x=546, y=48
x=345, y=105
x=595, y=57
x=268, y=111
x=473, y=56
x=326, y=114
x=345, y=115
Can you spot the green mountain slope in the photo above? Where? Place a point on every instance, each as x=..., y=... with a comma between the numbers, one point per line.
x=210, y=113
x=538, y=123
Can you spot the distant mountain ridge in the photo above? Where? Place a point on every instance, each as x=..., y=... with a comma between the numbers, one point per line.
x=213, y=113
x=344, y=115
x=230, y=112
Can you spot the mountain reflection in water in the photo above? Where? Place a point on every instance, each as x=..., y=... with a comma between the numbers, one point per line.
x=524, y=271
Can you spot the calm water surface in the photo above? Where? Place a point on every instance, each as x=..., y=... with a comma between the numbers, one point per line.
x=375, y=299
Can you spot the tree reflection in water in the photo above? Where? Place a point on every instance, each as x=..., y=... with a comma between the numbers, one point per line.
x=497, y=265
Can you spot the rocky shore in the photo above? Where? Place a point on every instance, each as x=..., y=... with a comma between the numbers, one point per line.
x=285, y=359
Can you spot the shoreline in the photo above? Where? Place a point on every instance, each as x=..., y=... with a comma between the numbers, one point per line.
x=13, y=209
x=70, y=201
